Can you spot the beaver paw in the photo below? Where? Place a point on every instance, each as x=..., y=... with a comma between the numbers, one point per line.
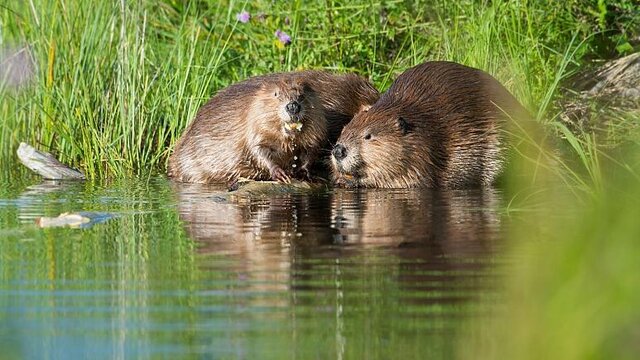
x=304, y=174
x=233, y=185
x=278, y=174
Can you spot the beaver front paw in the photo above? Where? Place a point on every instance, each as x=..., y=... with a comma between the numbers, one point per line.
x=303, y=174
x=278, y=174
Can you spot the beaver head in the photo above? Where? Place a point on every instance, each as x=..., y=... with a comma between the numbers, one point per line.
x=296, y=102
x=377, y=149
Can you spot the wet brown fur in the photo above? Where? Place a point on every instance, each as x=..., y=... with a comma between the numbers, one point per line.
x=238, y=133
x=342, y=97
x=438, y=125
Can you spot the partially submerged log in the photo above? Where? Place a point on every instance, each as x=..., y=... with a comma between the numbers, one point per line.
x=46, y=165
x=257, y=188
x=245, y=190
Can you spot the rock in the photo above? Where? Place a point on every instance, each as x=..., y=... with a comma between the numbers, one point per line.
x=83, y=219
x=601, y=95
x=16, y=67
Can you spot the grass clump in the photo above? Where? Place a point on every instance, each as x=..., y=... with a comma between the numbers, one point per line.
x=574, y=289
x=116, y=83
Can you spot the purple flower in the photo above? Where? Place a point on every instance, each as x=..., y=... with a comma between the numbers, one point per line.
x=284, y=38
x=243, y=17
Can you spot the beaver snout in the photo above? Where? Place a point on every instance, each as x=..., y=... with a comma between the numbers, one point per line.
x=339, y=152
x=293, y=108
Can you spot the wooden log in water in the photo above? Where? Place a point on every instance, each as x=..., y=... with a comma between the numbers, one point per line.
x=245, y=190
x=257, y=188
x=46, y=165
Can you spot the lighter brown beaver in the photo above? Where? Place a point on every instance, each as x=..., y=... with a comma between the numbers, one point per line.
x=438, y=125
x=270, y=127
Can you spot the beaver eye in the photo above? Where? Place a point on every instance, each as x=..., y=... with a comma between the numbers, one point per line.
x=367, y=137
x=275, y=94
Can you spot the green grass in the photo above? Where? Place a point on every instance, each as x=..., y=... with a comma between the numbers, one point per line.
x=574, y=286
x=117, y=82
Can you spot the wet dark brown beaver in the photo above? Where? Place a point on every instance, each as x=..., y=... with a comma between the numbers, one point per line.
x=267, y=127
x=342, y=96
x=438, y=125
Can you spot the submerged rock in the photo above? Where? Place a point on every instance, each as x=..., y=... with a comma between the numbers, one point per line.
x=83, y=219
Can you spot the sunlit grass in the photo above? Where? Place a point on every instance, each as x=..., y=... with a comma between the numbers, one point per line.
x=117, y=82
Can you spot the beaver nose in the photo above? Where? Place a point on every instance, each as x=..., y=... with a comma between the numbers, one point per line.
x=293, y=108
x=339, y=152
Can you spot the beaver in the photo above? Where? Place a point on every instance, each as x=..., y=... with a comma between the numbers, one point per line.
x=268, y=127
x=342, y=97
x=438, y=125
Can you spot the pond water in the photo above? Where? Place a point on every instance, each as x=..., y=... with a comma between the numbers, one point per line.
x=180, y=272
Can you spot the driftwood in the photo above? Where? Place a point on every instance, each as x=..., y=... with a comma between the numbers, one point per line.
x=253, y=188
x=46, y=165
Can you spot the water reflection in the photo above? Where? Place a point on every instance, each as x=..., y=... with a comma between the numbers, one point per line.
x=346, y=216
x=432, y=247
x=444, y=240
x=456, y=224
x=183, y=270
x=434, y=226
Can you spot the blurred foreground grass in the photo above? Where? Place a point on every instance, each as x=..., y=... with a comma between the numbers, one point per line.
x=574, y=287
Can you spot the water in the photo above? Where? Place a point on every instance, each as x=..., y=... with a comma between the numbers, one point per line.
x=181, y=273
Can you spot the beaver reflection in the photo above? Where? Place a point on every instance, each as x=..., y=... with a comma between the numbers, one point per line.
x=409, y=246
x=443, y=227
x=462, y=221
x=262, y=233
x=443, y=240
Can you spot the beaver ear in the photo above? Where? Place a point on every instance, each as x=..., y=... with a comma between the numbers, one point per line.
x=404, y=126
